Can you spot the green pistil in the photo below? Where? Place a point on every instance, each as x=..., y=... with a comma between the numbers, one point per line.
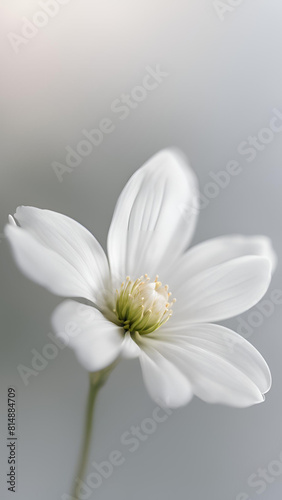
x=142, y=306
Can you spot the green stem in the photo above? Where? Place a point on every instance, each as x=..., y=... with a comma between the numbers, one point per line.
x=96, y=380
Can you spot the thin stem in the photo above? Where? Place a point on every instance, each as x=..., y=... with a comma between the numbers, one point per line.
x=96, y=380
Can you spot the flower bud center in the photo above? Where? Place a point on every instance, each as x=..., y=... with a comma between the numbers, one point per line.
x=143, y=306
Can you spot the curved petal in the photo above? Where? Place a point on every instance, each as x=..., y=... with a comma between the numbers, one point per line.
x=227, y=344
x=222, y=367
x=222, y=291
x=58, y=253
x=165, y=383
x=217, y=251
x=130, y=349
x=154, y=218
x=96, y=341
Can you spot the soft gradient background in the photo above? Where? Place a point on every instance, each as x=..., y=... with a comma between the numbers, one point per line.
x=225, y=77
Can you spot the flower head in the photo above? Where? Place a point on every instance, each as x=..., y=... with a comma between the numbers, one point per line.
x=130, y=312
x=143, y=306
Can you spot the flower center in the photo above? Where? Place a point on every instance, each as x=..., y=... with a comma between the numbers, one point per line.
x=143, y=306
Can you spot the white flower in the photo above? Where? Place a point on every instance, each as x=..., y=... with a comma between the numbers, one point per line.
x=130, y=313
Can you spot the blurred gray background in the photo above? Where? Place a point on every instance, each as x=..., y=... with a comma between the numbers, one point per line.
x=224, y=78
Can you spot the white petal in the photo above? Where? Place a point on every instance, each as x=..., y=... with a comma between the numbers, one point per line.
x=58, y=253
x=221, y=367
x=97, y=342
x=44, y=266
x=154, y=218
x=130, y=349
x=222, y=291
x=217, y=251
x=223, y=342
x=165, y=383
x=12, y=220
